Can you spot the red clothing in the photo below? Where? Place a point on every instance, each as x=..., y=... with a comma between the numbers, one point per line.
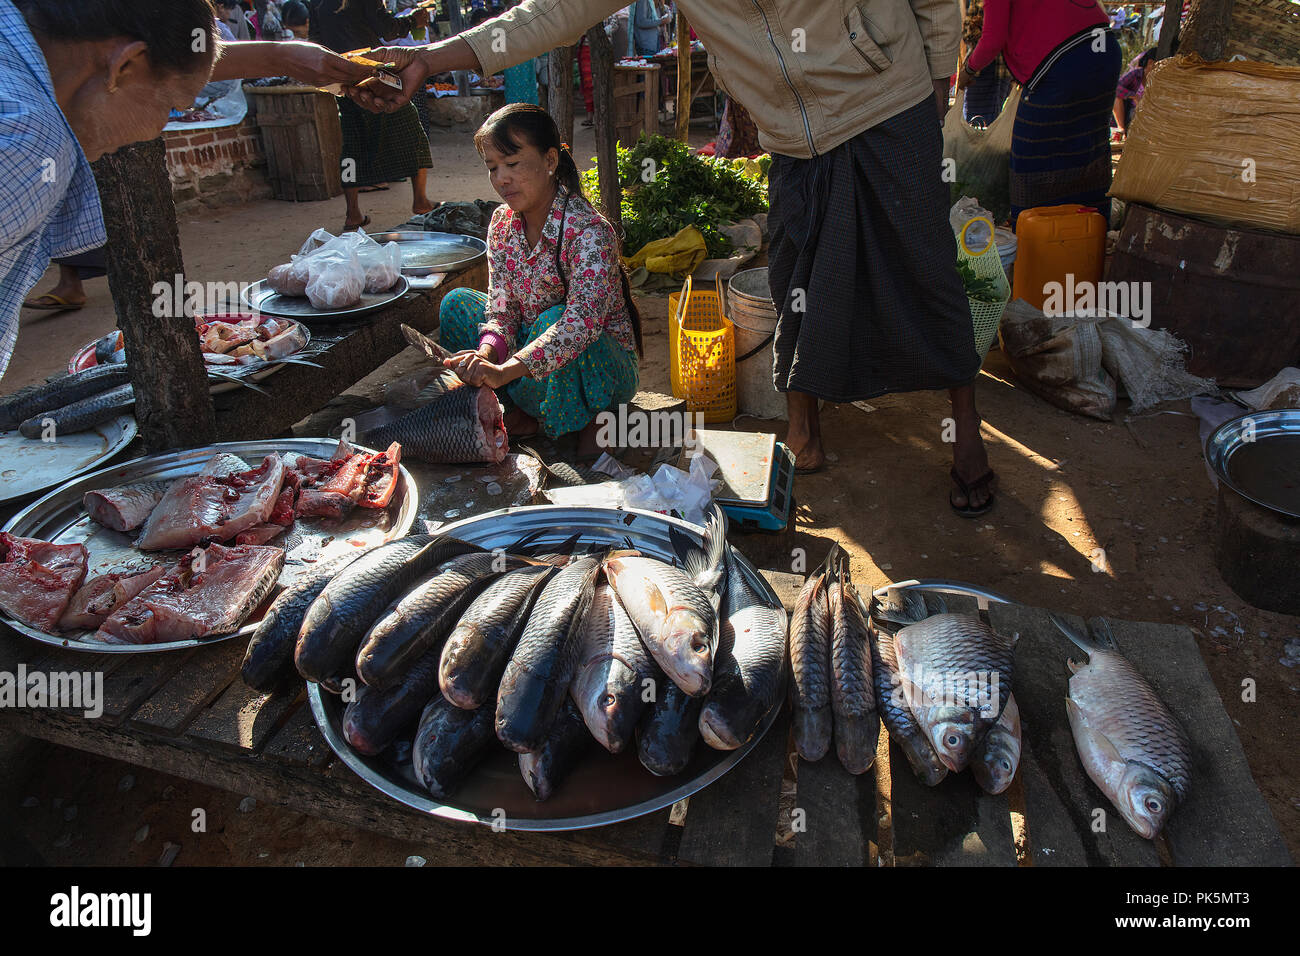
x=1026, y=31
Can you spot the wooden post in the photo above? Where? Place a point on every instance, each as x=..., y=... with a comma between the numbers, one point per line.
x=456, y=23
x=1208, y=26
x=559, y=93
x=1169, y=29
x=172, y=403
x=683, y=78
x=602, y=80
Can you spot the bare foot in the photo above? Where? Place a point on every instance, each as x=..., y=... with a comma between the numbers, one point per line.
x=804, y=434
x=421, y=207
x=588, y=446
x=809, y=456
x=519, y=424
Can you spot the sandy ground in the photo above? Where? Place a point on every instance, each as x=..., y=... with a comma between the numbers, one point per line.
x=1069, y=485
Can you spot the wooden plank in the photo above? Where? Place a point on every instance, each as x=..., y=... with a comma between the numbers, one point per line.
x=785, y=584
x=135, y=680
x=14, y=648
x=198, y=682
x=733, y=821
x=242, y=718
x=1225, y=820
x=647, y=835
x=953, y=824
x=355, y=350
x=299, y=741
x=1060, y=800
x=349, y=802
x=839, y=813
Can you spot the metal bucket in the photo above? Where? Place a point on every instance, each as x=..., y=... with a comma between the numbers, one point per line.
x=748, y=304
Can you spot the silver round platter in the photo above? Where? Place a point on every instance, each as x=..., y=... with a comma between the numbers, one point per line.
x=605, y=788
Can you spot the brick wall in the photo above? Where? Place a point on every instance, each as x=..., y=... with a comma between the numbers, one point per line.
x=216, y=167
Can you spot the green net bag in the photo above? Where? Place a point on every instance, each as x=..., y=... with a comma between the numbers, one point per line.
x=982, y=272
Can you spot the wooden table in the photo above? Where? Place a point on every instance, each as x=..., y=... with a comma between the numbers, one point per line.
x=701, y=80
x=347, y=352
x=190, y=715
x=636, y=102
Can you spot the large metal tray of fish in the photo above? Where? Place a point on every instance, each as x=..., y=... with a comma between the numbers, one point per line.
x=1258, y=456
x=60, y=518
x=259, y=297
x=32, y=465
x=430, y=253
x=605, y=788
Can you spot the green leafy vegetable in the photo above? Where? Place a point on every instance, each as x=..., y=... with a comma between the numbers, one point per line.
x=980, y=288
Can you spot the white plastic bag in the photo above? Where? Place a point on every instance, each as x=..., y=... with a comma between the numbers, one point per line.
x=382, y=264
x=336, y=280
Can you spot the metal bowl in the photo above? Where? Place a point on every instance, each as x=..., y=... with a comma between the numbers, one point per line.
x=430, y=253
x=605, y=788
x=1258, y=456
x=32, y=465
x=259, y=297
x=60, y=518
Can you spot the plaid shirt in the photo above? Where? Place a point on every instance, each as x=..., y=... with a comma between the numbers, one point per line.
x=48, y=202
x=1131, y=85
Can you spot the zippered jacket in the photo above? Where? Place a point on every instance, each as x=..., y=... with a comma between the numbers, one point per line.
x=811, y=73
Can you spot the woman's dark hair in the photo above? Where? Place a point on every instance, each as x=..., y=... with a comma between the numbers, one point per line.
x=168, y=28
x=294, y=14
x=513, y=127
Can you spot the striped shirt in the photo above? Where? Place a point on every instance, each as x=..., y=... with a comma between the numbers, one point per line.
x=49, y=205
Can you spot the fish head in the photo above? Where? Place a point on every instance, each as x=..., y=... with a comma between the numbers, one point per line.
x=995, y=765
x=638, y=592
x=607, y=691
x=689, y=642
x=952, y=734
x=1144, y=799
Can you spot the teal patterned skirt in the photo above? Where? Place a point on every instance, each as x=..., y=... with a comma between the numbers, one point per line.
x=567, y=400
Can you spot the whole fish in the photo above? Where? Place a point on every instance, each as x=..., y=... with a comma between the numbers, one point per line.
x=80, y=415
x=561, y=472
x=563, y=749
x=609, y=686
x=901, y=606
x=459, y=426
x=269, y=657
x=956, y=673
x=449, y=743
x=810, y=666
x=422, y=618
x=354, y=599
x=477, y=649
x=60, y=393
x=1132, y=747
x=378, y=717
x=124, y=508
x=749, y=671
x=676, y=612
x=997, y=758
x=897, y=716
x=536, y=679
x=853, y=697
x=669, y=731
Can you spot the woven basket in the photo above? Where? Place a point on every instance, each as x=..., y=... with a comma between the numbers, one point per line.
x=1266, y=31
x=703, y=356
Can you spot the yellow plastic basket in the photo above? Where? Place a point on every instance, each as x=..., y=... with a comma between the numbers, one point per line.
x=703, y=356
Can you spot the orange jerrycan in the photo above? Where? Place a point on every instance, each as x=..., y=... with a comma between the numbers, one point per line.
x=1057, y=244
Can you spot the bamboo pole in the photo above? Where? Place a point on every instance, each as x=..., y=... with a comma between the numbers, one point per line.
x=683, y=129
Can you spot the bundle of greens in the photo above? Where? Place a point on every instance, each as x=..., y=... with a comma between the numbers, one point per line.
x=978, y=287
x=667, y=187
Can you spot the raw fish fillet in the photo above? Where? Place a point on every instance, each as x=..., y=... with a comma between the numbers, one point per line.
x=101, y=596
x=330, y=489
x=38, y=579
x=215, y=504
x=208, y=594
x=259, y=534
x=125, y=508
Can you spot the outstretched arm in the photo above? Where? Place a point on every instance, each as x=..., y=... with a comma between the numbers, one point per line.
x=303, y=61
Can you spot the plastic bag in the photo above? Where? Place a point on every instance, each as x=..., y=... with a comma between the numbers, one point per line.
x=336, y=280
x=982, y=156
x=289, y=278
x=1059, y=359
x=382, y=264
x=669, y=491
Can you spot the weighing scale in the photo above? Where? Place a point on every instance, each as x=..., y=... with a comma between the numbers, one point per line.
x=757, y=475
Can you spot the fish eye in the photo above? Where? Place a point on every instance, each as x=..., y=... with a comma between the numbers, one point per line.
x=952, y=740
x=1006, y=764
x=1153, y=805
x=698, y=646
x=607, y=700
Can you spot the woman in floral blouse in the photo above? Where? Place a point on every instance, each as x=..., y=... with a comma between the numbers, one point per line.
x=557, y=329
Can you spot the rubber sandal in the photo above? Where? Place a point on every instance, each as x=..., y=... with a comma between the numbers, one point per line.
x=361, y=225
x=60, y=304
x=373, y=189
x=981, y=482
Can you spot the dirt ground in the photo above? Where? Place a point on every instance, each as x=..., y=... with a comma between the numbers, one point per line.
x=1069, y=485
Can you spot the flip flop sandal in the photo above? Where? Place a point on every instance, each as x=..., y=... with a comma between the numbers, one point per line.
x=60, y=304
x=361, y=225
x=981, y=482
x=373, y=189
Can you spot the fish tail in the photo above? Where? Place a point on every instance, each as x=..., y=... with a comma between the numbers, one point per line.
x=1084, y=641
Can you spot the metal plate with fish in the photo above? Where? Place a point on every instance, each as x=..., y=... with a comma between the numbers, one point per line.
x=59, y=517
x=605, y=788
x=427, y=253
x=1258, y=456
x=33, y=465
x=259, y=297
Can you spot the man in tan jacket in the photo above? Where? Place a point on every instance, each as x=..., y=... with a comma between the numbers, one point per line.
x=862, y=258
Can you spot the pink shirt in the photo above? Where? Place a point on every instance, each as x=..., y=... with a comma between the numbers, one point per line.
x=1026, y=31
